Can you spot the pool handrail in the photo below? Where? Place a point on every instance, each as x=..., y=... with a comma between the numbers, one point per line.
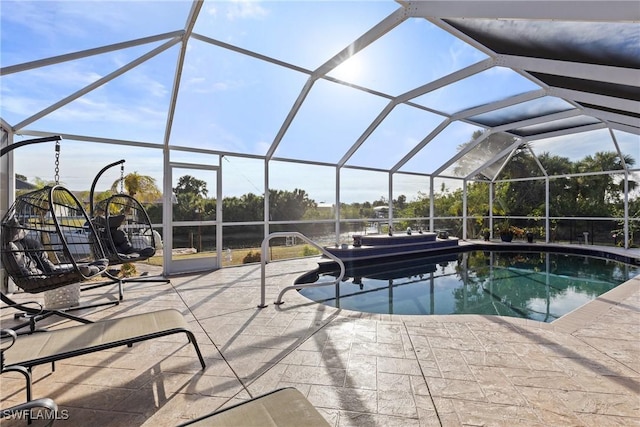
x=263, y=261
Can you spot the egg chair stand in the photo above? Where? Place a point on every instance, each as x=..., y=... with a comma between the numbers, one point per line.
x=125, y=233
x=34, y=312
x=49, y=246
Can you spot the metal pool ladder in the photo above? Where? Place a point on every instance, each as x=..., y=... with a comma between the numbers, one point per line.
x=263, y=263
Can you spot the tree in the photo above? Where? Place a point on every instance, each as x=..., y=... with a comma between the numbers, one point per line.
x=191, y=194
x=287, y=205
x=599, y=193
x=141, y=187
x=41, y=183
x=190, y=185
x=562, y=191
x=248, y=207
x=401, y=202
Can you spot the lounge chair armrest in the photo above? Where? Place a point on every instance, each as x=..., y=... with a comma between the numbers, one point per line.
x=7, y=335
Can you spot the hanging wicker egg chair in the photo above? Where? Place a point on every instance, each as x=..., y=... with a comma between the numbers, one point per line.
x=49, y=242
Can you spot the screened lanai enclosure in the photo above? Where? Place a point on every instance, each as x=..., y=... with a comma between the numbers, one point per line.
x=237, y=119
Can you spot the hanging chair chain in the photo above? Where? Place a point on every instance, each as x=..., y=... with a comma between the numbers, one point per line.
x=57, y=169
x=122, y=179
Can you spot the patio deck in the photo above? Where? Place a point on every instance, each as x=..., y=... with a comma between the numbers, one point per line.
x=356, y=369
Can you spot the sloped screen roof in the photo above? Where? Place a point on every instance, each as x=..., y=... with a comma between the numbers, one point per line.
x=392, y=86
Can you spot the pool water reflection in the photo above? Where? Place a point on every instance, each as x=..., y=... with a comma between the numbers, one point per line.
x=541, y=286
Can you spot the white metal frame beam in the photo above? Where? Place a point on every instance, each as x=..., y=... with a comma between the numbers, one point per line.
x=634, y=129
x=470, y=146
x=563, y=132
x=578, y=70
x=97, y=83
x=609, y=116
x=617, y=11
x=86, y=53
x=377, y=31
x=442, y=126
x=498, y=105
x=191, y=22
x=407, y=96
x=595, y=99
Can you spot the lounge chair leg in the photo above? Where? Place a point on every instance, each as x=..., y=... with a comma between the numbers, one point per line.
x=120, y=281
x=27, y=376
x=192, y=339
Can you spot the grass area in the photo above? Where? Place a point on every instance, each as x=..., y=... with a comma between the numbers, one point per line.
x=246, y=255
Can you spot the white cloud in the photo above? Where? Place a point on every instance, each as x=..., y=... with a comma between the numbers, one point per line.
x=19, y=105
x=28, y=14
x=195, y=81
x=245, y=10
x=94, y=109
x=68, y=74
x=212, y=10
x=142, y=82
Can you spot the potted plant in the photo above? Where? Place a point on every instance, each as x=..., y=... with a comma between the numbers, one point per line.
x=530, y=236
x=486, y=234
x=508, y=232
x=505, y=232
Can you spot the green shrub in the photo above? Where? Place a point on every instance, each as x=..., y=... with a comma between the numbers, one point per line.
x=309, y=251
x=128, y=270
x=251, y=257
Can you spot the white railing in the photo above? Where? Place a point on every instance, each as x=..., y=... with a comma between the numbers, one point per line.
x=263, y=262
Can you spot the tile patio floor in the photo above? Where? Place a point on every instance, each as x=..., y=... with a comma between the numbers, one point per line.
x=356, y=369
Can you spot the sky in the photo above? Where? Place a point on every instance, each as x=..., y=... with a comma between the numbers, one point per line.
x=235, y=103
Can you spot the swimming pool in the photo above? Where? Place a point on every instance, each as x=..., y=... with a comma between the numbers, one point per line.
x=542, y=286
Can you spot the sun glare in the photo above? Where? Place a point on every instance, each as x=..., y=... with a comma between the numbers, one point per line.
x=349, y=70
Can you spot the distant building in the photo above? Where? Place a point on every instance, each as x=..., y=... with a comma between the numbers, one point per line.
x=24, y=185
x=325, y=207
x=381, y=211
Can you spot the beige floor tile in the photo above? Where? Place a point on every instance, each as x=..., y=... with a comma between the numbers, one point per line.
x=474, y=413
x=347, y=399
x=397, y=403
x=358, y=370
x=597, y=420
x=362, y=378
x=354, y=419
x=602, y=403
x=456, y=389
x=394, y=365
x=314, y=375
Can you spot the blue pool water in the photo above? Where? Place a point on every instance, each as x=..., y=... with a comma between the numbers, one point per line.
x=541, y=286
